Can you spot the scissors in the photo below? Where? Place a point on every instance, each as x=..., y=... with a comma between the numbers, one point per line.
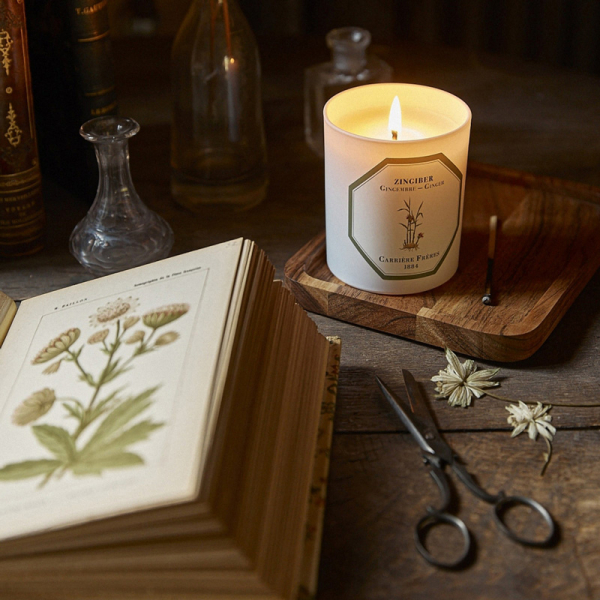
x=417, y=418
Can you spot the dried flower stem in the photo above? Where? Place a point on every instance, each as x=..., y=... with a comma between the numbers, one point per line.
x=547, y=456
x=562, y=404
x=458, y=382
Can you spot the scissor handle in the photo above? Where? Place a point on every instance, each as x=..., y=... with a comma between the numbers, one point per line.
x=439, y=516
x=502, y=502
x=506, y=502
x=433, y=519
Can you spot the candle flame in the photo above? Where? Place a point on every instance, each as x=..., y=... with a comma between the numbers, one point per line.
x=395, y=121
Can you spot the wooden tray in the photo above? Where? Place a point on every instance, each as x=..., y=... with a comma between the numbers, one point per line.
x=548, y=248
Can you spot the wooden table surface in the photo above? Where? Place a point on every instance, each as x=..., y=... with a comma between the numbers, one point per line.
x=525, y=116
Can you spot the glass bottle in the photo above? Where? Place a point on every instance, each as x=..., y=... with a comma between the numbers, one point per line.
x=218, y=152
x=349, y=67
x=119, y=231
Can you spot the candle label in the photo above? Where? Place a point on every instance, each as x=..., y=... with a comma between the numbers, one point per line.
x=404, y=215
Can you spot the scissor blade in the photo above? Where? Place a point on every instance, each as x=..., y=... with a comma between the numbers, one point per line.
x=405, y=412
x=418, y=404
x=423, y=419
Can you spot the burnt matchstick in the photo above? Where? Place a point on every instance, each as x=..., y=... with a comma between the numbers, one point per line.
x=487, y=296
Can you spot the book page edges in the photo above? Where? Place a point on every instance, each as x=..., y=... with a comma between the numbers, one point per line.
x=309, y=572
x=8, y=310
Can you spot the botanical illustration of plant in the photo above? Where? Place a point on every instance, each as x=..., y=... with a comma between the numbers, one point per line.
x=109, y=418
x=411, y=239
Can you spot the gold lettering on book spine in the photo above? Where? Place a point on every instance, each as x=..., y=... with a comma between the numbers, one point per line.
x=89, y=10
x=13, y=133
x=6, y=43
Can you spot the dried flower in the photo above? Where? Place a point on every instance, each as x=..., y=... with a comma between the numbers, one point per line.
x=135, y=337
x=536, y=420
x=57, y=346
x=164, y=315
x=113, y=311
x=52, y=368
x=167, y=338
x=459, y=382
x=533, y=418
x=130, y=322
x=98, y=337
x=34, y=407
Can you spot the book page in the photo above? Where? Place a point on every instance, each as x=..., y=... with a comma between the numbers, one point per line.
x=104, y=389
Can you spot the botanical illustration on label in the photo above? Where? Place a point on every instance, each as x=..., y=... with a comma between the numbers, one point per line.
x=411, y=240
x=404, y=214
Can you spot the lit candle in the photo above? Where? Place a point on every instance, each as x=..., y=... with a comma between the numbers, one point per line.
x=395, y=167
x=395, y=120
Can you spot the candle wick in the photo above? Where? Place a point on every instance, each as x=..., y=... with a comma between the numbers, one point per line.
x=394, y=135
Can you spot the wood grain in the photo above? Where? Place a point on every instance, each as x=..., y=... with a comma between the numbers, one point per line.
x=379, y=489
x=547, y=251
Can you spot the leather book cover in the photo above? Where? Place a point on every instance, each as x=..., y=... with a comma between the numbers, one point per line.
x=21, y=208
x=73, y=81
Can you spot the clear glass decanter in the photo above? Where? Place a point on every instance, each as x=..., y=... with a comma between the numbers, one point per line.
x=218, y=152
x=119, y=231
x=349, y=67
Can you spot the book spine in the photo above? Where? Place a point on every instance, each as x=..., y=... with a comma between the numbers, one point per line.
x=22, y=217
x=92, y=54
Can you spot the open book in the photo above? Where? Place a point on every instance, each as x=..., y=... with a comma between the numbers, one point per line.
x=158, y=430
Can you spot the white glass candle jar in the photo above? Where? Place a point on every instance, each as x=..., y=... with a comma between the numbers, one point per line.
x=394, y=192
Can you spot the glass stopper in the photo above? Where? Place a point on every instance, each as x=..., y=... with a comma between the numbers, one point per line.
x=348, y=48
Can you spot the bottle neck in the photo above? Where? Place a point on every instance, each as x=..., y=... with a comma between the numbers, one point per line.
x=348, y=48
x=116, y=197
x=113, y=161
x=348, y=59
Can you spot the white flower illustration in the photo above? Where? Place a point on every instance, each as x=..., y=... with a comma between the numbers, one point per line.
x=113, y=311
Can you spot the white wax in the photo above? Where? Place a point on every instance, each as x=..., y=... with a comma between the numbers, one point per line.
x=394, y=207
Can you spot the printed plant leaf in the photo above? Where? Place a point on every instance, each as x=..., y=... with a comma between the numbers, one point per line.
x=57, y=440
x=110, y=397
x=28, y=468
x=74, y=411
x=117, y=460
x=137, y=433
x=119, y=417
x=87, y=378
x=109, y=371
x=102, y=406
x=75, y=354
x=114, y=374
